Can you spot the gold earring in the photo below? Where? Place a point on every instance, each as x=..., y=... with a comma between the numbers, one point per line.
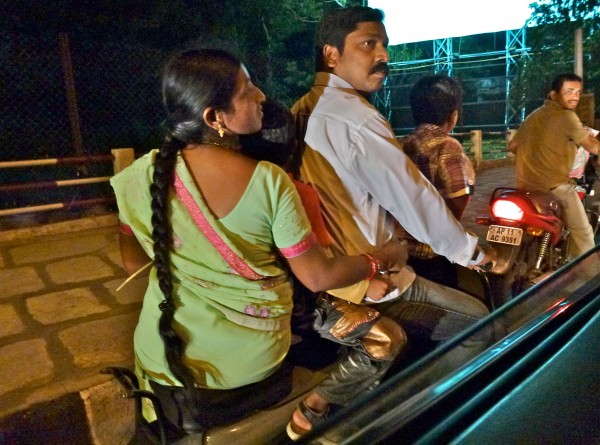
x=220, y=130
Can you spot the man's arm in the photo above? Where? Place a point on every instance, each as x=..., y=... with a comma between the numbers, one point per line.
x=512, y=146
x=398, y=186
x=591, y=144
x=458, y=205
x=456, y=176
x=580, y=134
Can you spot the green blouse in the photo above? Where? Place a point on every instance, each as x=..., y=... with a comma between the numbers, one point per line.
x=233, y=293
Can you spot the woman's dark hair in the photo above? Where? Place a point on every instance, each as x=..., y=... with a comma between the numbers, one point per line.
x=276, y=140
x=192, y=81
x=434, y=98
x=336, y=24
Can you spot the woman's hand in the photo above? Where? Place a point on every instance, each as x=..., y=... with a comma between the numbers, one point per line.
x=379, y=287
x=318, y=272
x=393, y=255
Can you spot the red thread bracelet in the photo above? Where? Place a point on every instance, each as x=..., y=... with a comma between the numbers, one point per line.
x=375, y=266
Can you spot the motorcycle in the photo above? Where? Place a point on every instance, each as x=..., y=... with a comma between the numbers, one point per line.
x=530, y=239
x=308, y=363
x=529, y=236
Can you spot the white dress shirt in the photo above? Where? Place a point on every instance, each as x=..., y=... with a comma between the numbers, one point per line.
x=364, y=178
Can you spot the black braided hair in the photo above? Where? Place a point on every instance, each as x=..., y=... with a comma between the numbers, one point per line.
x=192, y=81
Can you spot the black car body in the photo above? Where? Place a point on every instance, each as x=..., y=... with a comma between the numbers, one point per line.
x=538, y=382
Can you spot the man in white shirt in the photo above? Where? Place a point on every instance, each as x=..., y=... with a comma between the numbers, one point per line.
x=352, y=157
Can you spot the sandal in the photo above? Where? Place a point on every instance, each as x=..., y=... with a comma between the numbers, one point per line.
x=295, y=432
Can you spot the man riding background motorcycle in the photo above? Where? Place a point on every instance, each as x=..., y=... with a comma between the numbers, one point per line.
x=545, y=147
x=542, y=224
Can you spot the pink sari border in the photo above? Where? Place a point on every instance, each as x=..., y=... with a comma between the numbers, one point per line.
x=301, y=247
x=236, y=263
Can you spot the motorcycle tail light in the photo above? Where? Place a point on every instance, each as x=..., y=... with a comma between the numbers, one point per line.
x=507, y=210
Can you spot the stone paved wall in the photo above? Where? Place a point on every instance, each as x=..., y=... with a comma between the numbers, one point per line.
x=61, y=319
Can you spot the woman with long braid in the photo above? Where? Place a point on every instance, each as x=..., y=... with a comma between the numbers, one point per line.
x=223, y=231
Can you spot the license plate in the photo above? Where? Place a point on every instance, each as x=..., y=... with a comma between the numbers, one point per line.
x=505, y=235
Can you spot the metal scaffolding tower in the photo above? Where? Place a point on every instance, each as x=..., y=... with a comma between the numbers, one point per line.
x=442, y=56
x=445, y=61
x=515, y=48
x=382, y=101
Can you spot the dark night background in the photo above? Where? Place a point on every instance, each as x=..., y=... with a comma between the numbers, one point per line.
x=116, y=51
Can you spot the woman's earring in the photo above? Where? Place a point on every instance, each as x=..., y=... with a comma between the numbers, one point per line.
x=220, y=130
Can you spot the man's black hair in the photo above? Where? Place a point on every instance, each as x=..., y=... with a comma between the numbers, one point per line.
x=559, y=80
x=336, y=24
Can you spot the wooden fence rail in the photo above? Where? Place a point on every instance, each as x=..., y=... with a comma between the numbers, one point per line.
x=57, y=161
x=120, y=158
x=476, y=139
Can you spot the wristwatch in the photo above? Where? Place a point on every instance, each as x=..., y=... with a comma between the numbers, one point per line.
x=477, y=257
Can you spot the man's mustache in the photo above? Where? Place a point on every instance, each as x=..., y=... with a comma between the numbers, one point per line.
x=382, y=66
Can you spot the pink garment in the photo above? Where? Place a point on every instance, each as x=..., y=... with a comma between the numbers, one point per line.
x=581, y=158
x=236, y=263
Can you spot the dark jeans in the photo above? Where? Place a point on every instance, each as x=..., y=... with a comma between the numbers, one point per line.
x=438, y=269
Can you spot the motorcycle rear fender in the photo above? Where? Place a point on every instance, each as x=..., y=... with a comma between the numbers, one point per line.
x=506, y=256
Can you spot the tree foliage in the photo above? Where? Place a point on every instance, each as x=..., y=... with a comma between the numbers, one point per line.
x=274, y=38
x=278, y=45
x=566, y=12
x=552, y=43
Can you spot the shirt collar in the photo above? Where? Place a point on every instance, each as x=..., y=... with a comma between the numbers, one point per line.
x=553, y=104
x=432, y=128
x=324, y=79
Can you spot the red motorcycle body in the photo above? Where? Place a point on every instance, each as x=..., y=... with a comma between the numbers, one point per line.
x=529, y=236
x=538, y=210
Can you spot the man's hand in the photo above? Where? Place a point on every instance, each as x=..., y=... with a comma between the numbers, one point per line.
x=490, y=256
